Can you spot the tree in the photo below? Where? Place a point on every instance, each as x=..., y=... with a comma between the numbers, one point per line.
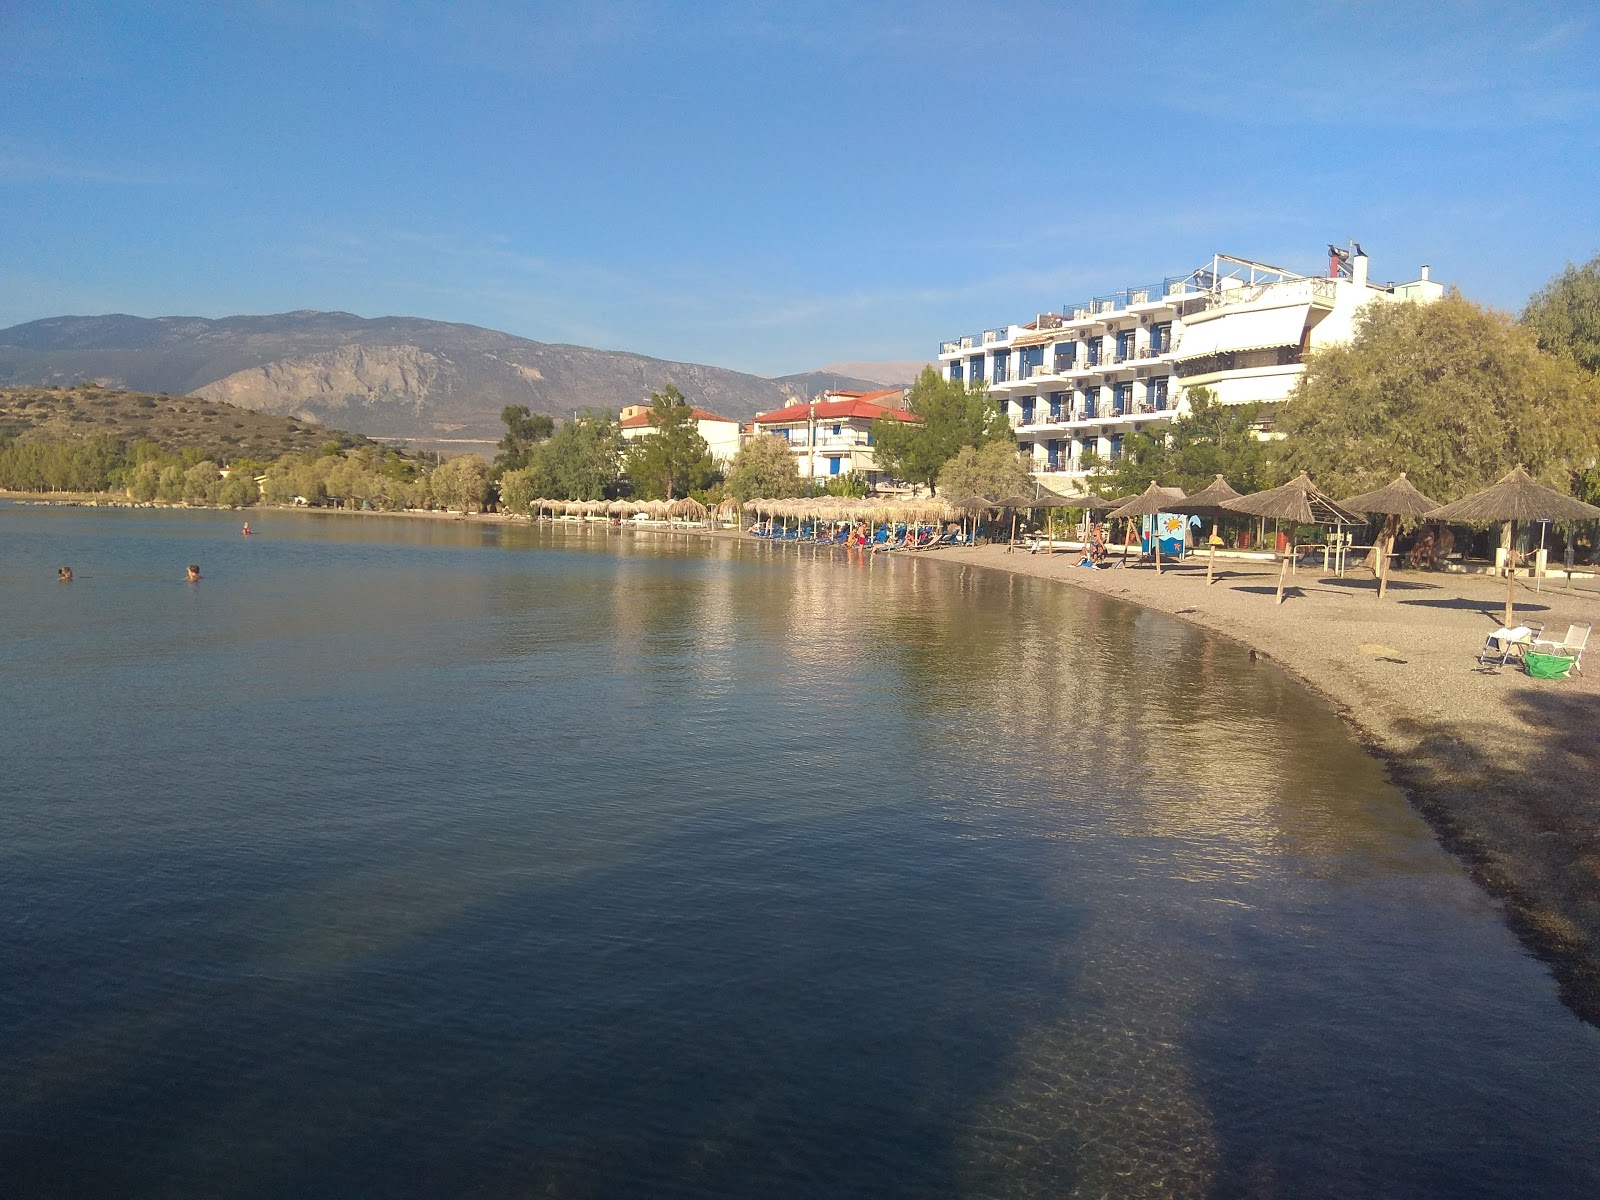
x=1450, y=393
x=582, y=461
x=994, y=470
x=1209, y=439
x=951, y=414
x=518, y=491
x=671, y=460
x=462, y=482
x=524, y=430
x=1565, y=314
x=763, y=468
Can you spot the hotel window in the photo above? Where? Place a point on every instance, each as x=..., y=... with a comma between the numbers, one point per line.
x=1066, y=353
x=1093, y=345
x=1091, y=402
x=976, y=363
x=1158, y=392
x=1002, y=361
x=1125, y=344
x=1027, y=410
x=833, y=465
x=1119, y=399
x=1055, y=405
x=1161, y=338
x=955, y=371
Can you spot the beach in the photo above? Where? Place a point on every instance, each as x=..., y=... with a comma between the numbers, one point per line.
x=1504, y=767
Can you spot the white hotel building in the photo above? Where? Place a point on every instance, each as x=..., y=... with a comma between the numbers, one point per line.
x=1083, y=378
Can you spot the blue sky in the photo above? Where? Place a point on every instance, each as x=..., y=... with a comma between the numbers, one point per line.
x=773, y=187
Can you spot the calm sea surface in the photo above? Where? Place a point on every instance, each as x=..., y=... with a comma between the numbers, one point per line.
x=403, y=858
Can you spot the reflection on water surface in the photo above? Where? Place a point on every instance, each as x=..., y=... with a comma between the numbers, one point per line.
x=421, y=858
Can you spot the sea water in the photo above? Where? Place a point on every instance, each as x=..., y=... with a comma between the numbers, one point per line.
x=402, y=857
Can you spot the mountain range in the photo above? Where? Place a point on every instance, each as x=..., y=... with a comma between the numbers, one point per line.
x=399, y=377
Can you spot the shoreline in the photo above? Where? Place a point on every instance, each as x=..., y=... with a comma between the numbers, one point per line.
x=1504, y=768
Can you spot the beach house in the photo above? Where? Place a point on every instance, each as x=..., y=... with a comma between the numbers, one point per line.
x=832, y=434
x=721, y=433
x=1083, y=378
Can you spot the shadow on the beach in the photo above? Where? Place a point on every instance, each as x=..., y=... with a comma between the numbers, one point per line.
x=1569, y=719
x=1371, y=585
x=1466, y=604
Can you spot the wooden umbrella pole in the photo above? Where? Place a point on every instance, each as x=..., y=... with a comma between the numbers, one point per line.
x=1211, y=559
x=1155, y=537
x=1013, y=543
x=1511, y=574
x=1283, y=573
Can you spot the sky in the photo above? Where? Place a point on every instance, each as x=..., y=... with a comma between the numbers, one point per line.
x=773, y=187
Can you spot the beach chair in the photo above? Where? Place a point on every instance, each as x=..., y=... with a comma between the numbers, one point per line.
x=1501, y=646
x=1572, y=645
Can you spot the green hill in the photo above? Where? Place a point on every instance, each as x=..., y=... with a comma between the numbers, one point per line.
x=224, y=432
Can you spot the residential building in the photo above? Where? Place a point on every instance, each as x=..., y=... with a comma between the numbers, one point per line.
x=721, y=433
x=832, y=434
x=1082, y=379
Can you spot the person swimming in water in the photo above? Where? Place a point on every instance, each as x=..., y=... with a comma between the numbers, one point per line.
x=246, y=530
x=194, y=572
x=64, y=574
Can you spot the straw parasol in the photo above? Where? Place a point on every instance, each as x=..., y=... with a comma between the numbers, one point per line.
x=687, y=507
x=1396, y=500
x=1515, y=498
x=1154, y=499
x=1299, y=501
x=1209, y=501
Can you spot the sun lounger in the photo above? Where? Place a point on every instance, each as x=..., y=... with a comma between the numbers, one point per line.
x=1570, y=646
x=1505, y=644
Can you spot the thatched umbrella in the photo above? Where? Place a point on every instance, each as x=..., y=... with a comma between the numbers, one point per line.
x=1148, y=503
x=1299, y=501
x=687, y=507
x=1396, y=500
x=1209, y=502
x=1515, y=498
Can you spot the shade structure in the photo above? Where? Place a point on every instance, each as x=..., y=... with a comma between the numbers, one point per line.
x=687, y=507
x=1299, y=500
x=1154, y=499
x=1515, y=498
x=1209, y=501
x=1149, y=502
x=1398, y=499
x=969, y=502
x=1087, y=500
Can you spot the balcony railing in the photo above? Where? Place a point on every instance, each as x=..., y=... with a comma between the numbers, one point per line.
x=991, y=336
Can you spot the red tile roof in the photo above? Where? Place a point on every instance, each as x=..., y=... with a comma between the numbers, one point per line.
x=837, y=410
x=643, y=418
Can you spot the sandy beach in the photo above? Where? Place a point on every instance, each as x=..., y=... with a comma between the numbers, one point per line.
x=1504, y=767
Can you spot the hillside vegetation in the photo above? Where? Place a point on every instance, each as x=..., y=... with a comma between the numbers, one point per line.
x=222, y=432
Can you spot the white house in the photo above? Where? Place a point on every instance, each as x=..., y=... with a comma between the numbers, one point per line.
x=832, y=434
x=1083, y=378
x=721, y=433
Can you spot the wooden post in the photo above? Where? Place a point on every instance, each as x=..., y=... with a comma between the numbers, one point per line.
x=1283, y=573
x=1155, y=539
x=1511, y=573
